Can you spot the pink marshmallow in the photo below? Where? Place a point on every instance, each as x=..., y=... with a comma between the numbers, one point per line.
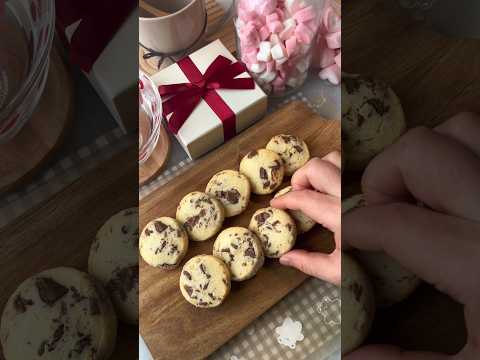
x=332, y=74
x=256, y=23
x=275, y=27
x=287, y=33
x=275, y=39
x=264, y=33
x=279, y=81
x=267, y=8
x=334, y=40
x=270, y=66
x=272, y=18
x=251, y=55
x=246, y=15
x=291, y=46
x=338, y=59
x=280, y=13
x=327, y=58
x=312, y=25
x=331, y=20
x=306, y=14
x=304, y=34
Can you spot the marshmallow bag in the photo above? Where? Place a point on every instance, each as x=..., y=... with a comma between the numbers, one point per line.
x=276, y=38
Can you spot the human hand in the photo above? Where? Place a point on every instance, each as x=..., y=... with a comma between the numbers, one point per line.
x=317, y=189
x=441, y=169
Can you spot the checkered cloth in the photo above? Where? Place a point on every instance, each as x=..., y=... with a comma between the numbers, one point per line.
x=315, y=303
x=61, y=174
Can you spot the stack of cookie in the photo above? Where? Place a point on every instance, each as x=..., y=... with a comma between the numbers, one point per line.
x=64, y=313
x=238, y=252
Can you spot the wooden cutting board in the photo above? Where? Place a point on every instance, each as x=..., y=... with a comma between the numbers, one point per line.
x=171, y=327
x=435, y=76
x=59, y=232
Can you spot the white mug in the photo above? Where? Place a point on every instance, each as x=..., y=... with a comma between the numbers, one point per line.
x=183, y=24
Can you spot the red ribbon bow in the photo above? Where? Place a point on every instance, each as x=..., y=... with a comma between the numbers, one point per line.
x=221, y=74
x=101, y=19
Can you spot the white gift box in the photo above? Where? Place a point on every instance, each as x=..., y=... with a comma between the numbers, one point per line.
x=111, y=74
x=203, y=129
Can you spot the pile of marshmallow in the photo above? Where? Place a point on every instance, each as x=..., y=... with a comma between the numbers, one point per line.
x=328, y=54
x=275, y=40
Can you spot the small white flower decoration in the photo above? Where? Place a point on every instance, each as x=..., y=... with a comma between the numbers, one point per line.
x=289, y=333
x=327, y=307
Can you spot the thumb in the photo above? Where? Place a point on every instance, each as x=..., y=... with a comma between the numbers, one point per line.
x=321, y=266
x=386, y=352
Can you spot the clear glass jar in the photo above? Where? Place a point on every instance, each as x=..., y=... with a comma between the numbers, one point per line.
x=149, y=117
x=275, y=39
x=27, y=28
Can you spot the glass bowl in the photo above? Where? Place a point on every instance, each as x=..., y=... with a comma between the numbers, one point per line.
x=27, y=28
x=150, y=117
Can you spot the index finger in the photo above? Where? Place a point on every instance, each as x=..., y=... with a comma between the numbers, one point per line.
x=423, y=241
x=430, y=167
x=320, y=174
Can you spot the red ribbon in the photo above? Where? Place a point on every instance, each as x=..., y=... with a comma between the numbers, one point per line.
x=101, y=19
x=185, y=97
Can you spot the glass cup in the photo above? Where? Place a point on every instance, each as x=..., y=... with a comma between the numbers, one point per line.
x=27, y=28
x=149, y=117
x=276, y=48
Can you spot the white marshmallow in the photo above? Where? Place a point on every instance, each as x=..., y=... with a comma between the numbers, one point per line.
x=281, y=61
x=278, y=52
x=293, y=82
x=291, y=22
x=265, y=46
x=258, y=68
x=240, y=24
x=268, y=77
x=264, y=56
x=303, y=65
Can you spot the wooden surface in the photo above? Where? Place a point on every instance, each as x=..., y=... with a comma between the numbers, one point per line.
x=25, y=154
x=59, y=232
x=435, y=77
x=152, y=167
x=216, y=14
x=171, y=327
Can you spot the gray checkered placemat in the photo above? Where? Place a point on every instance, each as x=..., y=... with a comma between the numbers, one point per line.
x=315, y=304
x=61, y=174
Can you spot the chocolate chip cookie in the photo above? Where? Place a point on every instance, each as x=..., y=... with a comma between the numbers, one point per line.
x=293, y=151
x=372, y=119
x=264, y=169
x=232, y=189
x=303, y=222
x=205, y=281
x=60, y=313
x=241, y=250
x=358, y=304
x=113, y=260
x=275, y=229
x=201, y=215
x=163, y=243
